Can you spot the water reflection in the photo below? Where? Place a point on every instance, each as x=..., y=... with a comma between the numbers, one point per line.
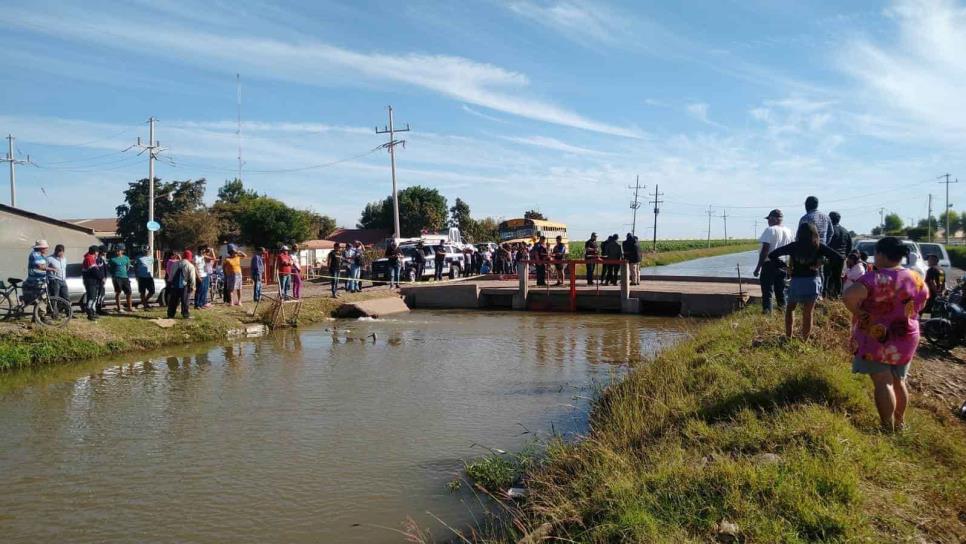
x=298, y=436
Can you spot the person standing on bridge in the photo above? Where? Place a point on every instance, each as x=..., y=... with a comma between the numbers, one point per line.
x=540, y=255
x=559, y=253
x=591, y=255
x=772, y=273
x=614, y=252
x=632, y=252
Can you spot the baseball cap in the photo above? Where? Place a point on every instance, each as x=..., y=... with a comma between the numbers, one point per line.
x=774, y=213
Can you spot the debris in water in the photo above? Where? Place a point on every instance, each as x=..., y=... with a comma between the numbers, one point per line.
x=516, y=493
x=497, y=451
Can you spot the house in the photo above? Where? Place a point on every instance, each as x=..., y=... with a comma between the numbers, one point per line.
x=369, y=237
x=104, y=228
x=19, y=229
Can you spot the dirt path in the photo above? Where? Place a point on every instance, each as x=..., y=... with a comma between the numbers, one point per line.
x=940, y=376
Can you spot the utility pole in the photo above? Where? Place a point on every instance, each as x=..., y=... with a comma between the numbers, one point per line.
x=710, y=213
x=13, y=169
x=754, y=233
x=391, y=146
x=929, y=219
x=724, y=215
x=636, y=203
x=657, y=203
x=947, y=182
x=882, y=221
x=153, y=148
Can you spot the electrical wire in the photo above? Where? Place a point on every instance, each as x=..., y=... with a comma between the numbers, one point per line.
x=176, y=163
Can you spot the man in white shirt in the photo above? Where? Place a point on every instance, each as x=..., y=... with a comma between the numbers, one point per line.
x=772, y=272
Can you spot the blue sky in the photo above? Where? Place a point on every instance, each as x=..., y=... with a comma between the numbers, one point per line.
x=742, y=105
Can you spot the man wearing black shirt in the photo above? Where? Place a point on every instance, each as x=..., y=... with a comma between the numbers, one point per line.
x=841, y=243
x=591, y=254
x=539, y=254
x=632, y=253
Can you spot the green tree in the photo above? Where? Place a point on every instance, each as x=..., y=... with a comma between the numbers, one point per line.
x=953, y=222
x=459, y=215
x=916, y=233
x=327, y=226
x=191, y=229
x=171, y=198
x=534, y=214
x=270, y=223
x=420, y=208
x=232, y=199
x=893, y=224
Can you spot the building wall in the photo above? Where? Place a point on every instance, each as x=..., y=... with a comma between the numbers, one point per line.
x=17, y=237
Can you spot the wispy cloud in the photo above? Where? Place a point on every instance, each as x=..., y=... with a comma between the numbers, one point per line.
x=918, y=78
x=583, y=22
x=482, y=115
x=313, y=62
x=554, y=144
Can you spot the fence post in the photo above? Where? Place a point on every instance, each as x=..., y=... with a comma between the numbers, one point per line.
x=520, y=298
x=628, y=305
x=572, y=270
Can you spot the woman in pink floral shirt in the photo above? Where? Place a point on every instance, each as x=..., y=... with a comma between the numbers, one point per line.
x=885, y=304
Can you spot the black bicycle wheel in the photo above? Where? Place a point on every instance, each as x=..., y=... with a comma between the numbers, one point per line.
x=53, y=312
x=8, y=306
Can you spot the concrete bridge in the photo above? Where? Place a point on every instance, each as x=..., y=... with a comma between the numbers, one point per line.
x=656, y=295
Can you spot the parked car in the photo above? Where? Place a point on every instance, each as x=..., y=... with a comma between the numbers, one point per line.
x=453, y=266
x=75, y=287
x=939, y=250
x=915, y=261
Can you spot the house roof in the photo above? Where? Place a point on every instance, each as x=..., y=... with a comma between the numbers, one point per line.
x=45, y=219
x=317, y=244
x=101, y=225
x=368, y=237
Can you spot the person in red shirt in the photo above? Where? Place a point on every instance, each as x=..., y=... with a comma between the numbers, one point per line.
x=93, y=275
x=284, y=268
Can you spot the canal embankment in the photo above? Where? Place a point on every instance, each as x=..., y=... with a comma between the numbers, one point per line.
x=736, y=435
x=23, y=345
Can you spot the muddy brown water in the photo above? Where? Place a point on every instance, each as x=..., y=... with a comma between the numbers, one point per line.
x=314, y=435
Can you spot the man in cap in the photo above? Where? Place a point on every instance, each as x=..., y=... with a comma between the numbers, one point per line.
x=283, y=265
x=37, y=265
x=772, y=272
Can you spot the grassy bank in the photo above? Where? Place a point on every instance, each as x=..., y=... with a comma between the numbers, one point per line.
x=22, y=346
x=734, y=435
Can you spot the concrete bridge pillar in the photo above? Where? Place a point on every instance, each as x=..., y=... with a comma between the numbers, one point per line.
x=520, y=298
x=628, y=305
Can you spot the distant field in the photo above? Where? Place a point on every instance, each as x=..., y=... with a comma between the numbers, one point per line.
x=663, y=246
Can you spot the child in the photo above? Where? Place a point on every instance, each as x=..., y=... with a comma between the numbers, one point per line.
x=885, y=304
x=935, y=281
x=854, y=269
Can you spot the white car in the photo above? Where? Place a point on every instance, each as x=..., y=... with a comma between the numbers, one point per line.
x=915, y=261
x=939, y=250
x=75, y=287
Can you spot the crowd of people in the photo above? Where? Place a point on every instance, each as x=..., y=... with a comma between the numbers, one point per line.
x=884, y=297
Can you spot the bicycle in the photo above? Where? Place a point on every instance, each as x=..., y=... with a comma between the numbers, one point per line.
x=50, y=311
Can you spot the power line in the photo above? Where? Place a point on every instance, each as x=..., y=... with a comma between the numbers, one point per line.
x=238, y=131
x=657, y=203
x=391, y=146
x=179, y=163
x=13, y=161
x=636, y=203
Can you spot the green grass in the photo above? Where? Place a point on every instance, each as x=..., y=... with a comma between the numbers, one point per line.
x=781, y=440
x=29, y=346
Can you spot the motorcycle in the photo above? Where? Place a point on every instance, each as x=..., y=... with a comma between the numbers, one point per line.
x=946, y=326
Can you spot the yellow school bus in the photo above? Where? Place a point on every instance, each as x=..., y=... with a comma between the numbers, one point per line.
x=530, y=230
